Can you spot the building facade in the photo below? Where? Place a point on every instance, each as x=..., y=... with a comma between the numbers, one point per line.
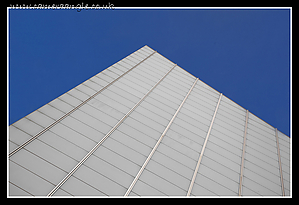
x=146, y=127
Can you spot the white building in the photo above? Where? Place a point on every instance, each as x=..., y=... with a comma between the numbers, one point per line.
x=146, y=127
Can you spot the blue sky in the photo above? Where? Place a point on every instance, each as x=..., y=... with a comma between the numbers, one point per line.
x=245, y=54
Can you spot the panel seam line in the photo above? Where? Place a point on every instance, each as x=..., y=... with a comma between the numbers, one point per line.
x=104, y=138
x=279, y=161
x=203, y=148
x=243, y=156
x=158, y=142
x=74, y=109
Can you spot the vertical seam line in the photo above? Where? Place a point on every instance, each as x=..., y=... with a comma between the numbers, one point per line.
x=243, y=155
x=74, y=109
x=279, y=161
x=203, y=148
x=158, y=142
x=104, y=138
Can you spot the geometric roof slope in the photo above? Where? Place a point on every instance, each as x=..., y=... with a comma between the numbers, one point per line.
x=146, y=127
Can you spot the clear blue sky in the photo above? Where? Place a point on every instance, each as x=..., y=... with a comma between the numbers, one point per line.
x=245, y=54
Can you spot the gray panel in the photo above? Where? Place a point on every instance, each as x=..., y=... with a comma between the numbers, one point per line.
x=18, y=136
x=51, y=112
x=100, y=182
x=168, y=151
x=124, y=151
x=28, y=181
x=211, y=184
x=78, y=94
x=146, y=120
x=101, y=100
x=73, y=136
x=198, y=190
x=63, y=145
x=40, y=119
x=38, y=166
x=172, y=164
x=183, y=149
x=168, y=174
x=118, y=160
x=161, y=184
x=222, y=184
x=134, y=133
x=143, y=189
x=70, y=99
x=14, y=190
x=257, y=187
x=51, y=155
x=131, y=142
x=142, y=128
x=109, y=170
x=28, y=126
x=84, y=129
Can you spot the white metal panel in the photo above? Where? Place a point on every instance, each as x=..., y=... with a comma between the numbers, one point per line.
x=77, y=187
x=18, y=136
x=28, y=126
x=51, y=112
x=211, y=184
x=63, y=145
x=172, y=153
x=99, y=181
x=78, y=94
x=259, y=184
x=222, y=155
x=146, y=120
x=223, y=185
x=108, y=170
x=103, y=105
x=161, y=184
x=160, y=104
x=143, y=189
x=137, y=135
x=162, y=97
x=131, y=142
x=51, y=155
x=124, y=151
x=182, y=149
x=196, y=115
x=98, y=101
x=226, y=138
x=168, y=174
x=96, y=87
x=70, y=99
x=198, y=190
x=140, y=126
x=107, y=115
x=222, y=167
x=61, y=105
x=12, y=146
x=28, y=181
x=86, y=130
x=40, y=119
x=119, y=161
x=172, y=164
x=156, y=117
x=73, y=136
x=39, y=166
x=96, y=79
x=262, y=171
x=185, y=136
x=17, y=191
x=192, y=121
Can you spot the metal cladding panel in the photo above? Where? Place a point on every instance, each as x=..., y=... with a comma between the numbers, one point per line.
x=146, y=127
